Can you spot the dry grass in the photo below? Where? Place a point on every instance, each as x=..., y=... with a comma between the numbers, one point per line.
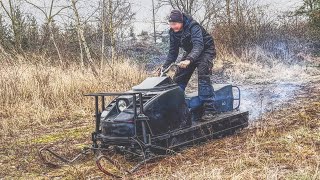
x=38, y=94
x=43, y=104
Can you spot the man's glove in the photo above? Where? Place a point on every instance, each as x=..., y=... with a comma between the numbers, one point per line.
x=184, y=64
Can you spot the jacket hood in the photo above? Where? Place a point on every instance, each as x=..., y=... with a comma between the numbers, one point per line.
x=187, y=19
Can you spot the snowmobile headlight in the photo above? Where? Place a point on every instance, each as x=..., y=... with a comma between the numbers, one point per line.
x=122, y=104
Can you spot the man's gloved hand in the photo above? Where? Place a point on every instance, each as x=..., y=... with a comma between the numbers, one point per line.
x=184, y=64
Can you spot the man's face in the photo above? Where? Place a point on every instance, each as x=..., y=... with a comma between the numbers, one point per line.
x=176, y=26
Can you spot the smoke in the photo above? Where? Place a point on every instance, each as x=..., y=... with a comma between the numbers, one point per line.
x=259, y=99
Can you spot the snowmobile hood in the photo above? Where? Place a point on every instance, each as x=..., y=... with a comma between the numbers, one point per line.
x=154, y=83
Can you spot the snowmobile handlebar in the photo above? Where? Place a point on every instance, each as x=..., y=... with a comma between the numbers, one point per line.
x=163, y=71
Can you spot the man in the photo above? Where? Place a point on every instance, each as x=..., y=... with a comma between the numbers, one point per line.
x=199, y=53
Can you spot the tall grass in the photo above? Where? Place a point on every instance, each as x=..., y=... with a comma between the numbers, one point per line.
x=35, y=94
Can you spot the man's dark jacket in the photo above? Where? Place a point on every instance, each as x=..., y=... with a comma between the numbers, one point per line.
x=194, y=39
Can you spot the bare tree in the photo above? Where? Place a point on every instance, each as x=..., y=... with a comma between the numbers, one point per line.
x=117, y=21
x=4, y=34
x=82, y=38
x=228, y=11
x=81, y=51
x=154, y=22
x=213, y=11
x=49, y=16
x=103, y=22
x=13, y=12
x=111, y=30
x=311, y=8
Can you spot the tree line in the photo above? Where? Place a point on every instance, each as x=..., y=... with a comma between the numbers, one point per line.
x=106, y=33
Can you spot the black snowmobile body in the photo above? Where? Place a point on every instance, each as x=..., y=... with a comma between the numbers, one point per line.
x=156, y=114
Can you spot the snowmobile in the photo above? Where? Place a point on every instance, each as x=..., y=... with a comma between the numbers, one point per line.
x=157, y=118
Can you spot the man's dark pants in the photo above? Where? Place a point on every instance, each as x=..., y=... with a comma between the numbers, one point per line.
x=204, y=64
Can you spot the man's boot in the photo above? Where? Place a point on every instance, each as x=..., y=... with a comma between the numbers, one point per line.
x=209, y=110
x=206, y=94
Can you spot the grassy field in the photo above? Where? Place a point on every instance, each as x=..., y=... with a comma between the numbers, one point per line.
x=42, y=104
